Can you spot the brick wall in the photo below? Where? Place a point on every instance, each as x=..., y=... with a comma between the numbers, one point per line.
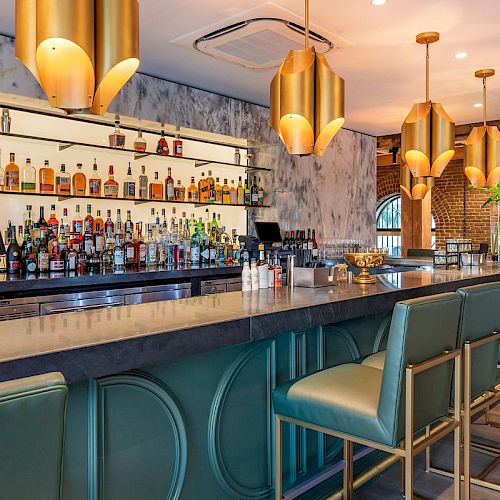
x=456, y=209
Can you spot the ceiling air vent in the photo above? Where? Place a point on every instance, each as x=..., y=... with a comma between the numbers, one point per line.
x=259, y=43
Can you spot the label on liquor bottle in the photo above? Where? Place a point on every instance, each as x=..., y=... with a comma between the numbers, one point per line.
x=28, y=186
x=130, y=254
x=195, y=254
x=3, y=263
x=56, y=265
x=193, y=196
x=43, y=261
x=77, y=227
x=99, y=243
x=95, y=187
x=151, y=255
x=31, y=265
x=205, y=254
x=212, y=254
x=71, y=261
x=46, y=188
x=129, y=189
x=170, y=191
x=111, y=191
x=255, y=198
x=63, y=185
x=119, y=257
x=12, y=179
x=142, y=253
x=87, y=245
x=247, y=199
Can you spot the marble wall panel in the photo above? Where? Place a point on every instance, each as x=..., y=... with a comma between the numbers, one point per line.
x=335, y=193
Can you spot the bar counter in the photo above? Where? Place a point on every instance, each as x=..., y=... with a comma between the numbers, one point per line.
x=173, y=399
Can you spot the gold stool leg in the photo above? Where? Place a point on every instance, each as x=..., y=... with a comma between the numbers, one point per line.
x=457, y=433
x=348, y=470
x=278, y=458
x=467, y=418
x=409, y=434
x=402, y=476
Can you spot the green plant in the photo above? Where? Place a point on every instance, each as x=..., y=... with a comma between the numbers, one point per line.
x=495, y=194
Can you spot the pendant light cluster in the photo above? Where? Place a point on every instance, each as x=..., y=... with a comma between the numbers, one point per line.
x=427, y=138
x=482, y=147
x=82, y=52
x=307, y=100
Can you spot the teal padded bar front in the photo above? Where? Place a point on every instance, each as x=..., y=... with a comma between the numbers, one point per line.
x=32, y=418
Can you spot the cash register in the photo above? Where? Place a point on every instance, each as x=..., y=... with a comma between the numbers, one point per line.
x=268, y=233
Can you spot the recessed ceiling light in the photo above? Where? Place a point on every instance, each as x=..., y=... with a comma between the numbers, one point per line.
x=478, y=105
x=460, y=55
x=378, y=3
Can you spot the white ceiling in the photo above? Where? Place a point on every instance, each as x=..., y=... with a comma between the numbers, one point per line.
x=383, y=69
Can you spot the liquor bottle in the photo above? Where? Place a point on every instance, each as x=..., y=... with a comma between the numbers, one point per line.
x=46, y=178
x=140, y=143
x=129, y=225
x=195, y=249
x=119, y=255
x=63, y=182
x=12, y=175
x=192, y=192
x=63, y=235
x=162, y=146
x=129, y=248
x=204, y=242
x=41, y=228
x=247, y=195
x=98, y=233
x=109, y=226
x=254, y=190
x=30, y=265
x=88, y=222
x=76, y=225
x=240, y=193
x=111, y=186
x=129, y=185
x=53, y=223
x=65, y=226
x=270, y=271
x=203, y=189
x=143, y=184
x=169, y=186
x=237, y=156
x=3, y=256
x=233, y=195
x=177, y=144
x=260, y=194
x=79, y=181
x=56, y=260
x=192, y=225
x=117, y=138
x=70, y=259
x=308, y=243
x=151, y=255
x=218, y=191
x=119, y=227
x=95, y=182
x=93, y=261
x=156, y=189
x=107, y=257
x=13, y=253
x=28, y=181
x=140, y=247
x=43, y=257
x=285, y=241
x=179, y=192
x=314, y=244
x=211, y=187
x=226, y=193
x=278, y=272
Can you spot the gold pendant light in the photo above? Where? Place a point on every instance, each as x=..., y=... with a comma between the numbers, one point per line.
x=428, y=133
x=307, y=100
x=74, y=48
x=415, y=188
x=482, y=147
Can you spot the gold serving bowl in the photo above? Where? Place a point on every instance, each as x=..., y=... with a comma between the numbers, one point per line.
x=364, y=262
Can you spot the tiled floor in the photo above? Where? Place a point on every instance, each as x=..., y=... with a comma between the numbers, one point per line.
x=431, y=485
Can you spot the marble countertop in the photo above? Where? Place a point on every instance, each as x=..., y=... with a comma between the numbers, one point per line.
x=95, y=343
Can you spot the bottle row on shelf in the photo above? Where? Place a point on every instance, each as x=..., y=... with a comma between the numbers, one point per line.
x=297, y=240
x=92, y=244
x=266, y=272
x=207, y=190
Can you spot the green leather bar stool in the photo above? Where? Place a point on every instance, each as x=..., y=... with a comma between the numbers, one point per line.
x=479, y=339
x=32, y=417
x=383, y=409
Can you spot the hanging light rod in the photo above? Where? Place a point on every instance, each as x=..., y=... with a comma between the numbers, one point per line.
x=482, y=147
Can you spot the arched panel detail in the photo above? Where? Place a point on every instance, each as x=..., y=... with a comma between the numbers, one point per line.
x=232, y=487
x=157, y=390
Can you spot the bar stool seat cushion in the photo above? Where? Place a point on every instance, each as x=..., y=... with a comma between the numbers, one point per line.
x=376, y=360
x=344, y=398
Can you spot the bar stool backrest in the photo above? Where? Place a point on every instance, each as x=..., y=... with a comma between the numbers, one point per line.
x=480, y=316
x=421, y=329
x=32, y=416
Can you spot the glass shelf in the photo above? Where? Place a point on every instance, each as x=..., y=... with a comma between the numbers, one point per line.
x=137, y=155
x=136, y=201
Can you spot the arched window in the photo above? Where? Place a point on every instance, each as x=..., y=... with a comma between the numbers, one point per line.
x=389, y=225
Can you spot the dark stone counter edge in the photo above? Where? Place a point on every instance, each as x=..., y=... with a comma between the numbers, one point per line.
x=130, y=278
x=114, y=357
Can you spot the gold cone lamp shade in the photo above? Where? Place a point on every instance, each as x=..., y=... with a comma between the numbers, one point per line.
x=482, y=147
x=307, y=101
x=74, y=48
x=428, y=133
x=416, y=188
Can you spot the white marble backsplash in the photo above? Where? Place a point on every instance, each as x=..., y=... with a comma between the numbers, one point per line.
x=335, y=193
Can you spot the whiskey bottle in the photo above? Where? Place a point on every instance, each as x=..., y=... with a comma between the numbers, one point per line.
x=218, y=191
x=79, y=181
x=63, y=182
x=43, y=257
x=129, y=250
x=143, y=184
x=140, y=143
x=226, y=194
x=203, y=189
x=179, y=192
x=162, y=146
x=107, y=257
x=119, y=255
x=53, y=223
x=192, y=192
x=12, y=175
x=88, y=222
x=129, y=185
x=233, y=197
x=211, y=187
x=254, y=193
x=28, y=182
x=109, y=226
x=129, y=225
x=56, y=260
x=240, y=193
x=156, y=189
x=111, y=186
x=95, y=182
x=177, y=144
x=98, y=232
x=76, y=223
x=247, y=194
x=117, y=138
x=46, y=178
x=140, y=247
x=169, y=186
